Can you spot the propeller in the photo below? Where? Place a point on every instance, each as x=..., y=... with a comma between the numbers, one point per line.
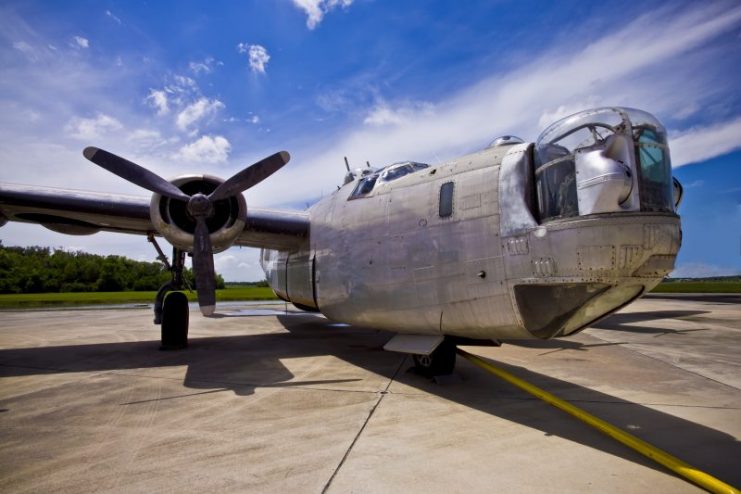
x=200, y=206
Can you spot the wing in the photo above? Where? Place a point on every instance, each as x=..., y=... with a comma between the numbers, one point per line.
x=78, y=212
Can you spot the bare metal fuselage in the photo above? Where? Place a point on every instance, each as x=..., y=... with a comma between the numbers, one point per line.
x=490, y=270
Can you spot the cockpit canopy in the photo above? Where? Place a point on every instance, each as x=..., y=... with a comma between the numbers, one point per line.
x=398, y=170
x=603, y=160
x=387, y=174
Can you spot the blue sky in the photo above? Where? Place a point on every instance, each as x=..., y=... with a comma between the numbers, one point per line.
x=186, y=87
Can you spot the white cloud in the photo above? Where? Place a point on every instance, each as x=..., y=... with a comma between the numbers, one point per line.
x=207, y=149
x=158, y=100
x=254, y=119
x=316, y=9
x=199, y=110
x=257, y=54
x=92, y=128
x=80, y=42
x=699, y=144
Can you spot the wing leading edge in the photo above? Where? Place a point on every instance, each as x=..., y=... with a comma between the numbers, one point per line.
x=76, y=212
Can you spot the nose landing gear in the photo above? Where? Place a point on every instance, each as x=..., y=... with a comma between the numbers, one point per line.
x=438, y=363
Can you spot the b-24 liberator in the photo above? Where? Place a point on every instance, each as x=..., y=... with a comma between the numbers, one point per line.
x=518, y=240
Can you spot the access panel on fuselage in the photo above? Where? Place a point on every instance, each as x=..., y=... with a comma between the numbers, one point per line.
x=300, y=279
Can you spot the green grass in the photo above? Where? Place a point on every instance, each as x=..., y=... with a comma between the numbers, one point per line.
x=29, y=300
x=698, y=287
x=239, y=293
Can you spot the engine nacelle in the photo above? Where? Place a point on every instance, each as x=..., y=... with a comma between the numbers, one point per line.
x=171, y=219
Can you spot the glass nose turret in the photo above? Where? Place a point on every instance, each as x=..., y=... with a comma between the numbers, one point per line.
x=606, y=160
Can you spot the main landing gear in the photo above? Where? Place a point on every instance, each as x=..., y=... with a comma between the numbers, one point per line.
x=171, y=310
x=440, y=362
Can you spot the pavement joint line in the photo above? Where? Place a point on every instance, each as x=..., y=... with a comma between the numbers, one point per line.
x=637, y=350
x=381, y=395
x=679, y=467
x=164, y=398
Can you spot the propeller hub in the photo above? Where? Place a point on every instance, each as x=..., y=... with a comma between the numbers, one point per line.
x=200, y=206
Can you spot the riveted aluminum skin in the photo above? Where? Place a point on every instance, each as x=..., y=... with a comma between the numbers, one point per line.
x=490, y=270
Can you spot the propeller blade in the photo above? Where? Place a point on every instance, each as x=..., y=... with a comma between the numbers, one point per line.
x=133, y=173
x=250, y=176
x=203, y=267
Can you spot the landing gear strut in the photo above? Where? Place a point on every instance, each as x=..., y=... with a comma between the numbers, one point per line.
x=171, y=305
x=440, y=362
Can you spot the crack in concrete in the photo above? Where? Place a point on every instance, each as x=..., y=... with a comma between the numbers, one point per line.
x=381, y=395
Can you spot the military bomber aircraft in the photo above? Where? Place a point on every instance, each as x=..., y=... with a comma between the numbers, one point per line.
x=518, y=240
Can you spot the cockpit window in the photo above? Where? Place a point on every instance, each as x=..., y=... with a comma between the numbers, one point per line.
x=387, y=174
x=364, y=186
x=394, y=172
x=655, y=170
x=398, y=170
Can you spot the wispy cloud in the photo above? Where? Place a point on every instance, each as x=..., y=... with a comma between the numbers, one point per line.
x=701, y=143
x=383, y=114
x=113, y=17
x=315, y=10
x=257, y=55
x=627, y=67
x=205, y=66
x=24, y=48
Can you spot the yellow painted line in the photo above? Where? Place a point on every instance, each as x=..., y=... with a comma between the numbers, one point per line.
x=704, y=480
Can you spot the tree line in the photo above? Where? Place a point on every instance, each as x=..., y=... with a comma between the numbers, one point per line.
x=45, y=270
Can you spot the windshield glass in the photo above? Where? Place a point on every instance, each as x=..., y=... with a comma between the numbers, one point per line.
x=387, y=174
x=655, y=169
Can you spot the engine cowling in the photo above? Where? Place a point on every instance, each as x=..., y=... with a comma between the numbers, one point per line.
x=172, y=220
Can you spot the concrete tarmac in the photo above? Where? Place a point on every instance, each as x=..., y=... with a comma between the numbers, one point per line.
x=275, y=401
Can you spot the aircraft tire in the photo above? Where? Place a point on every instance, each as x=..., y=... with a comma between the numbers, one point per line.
x=175, y=317
x=440, y=362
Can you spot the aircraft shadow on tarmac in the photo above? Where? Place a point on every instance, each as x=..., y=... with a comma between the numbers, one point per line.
x=243, y=363
x=628, y=321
